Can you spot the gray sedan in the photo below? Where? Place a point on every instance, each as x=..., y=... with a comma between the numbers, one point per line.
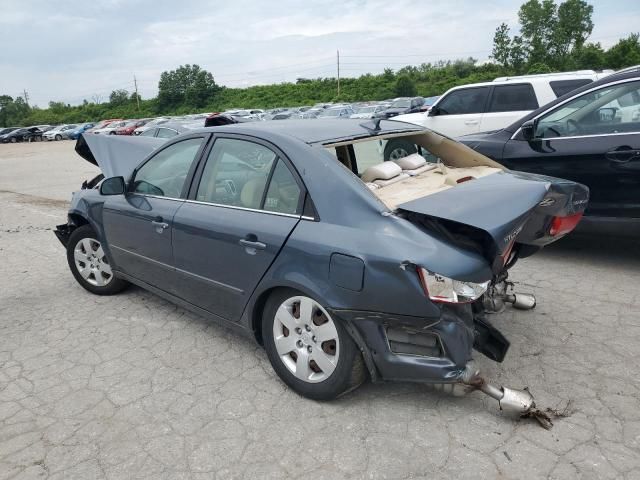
x=295, y=233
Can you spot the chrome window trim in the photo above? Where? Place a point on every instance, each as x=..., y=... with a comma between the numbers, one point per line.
x=246, y=209
x=595, y=135
x=234, y=207
x=555, y=107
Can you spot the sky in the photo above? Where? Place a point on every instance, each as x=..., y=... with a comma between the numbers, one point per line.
x=69, y=50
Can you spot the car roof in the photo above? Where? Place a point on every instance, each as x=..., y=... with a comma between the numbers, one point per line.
x=614, y=77
x=320, y=131
x=532, y=79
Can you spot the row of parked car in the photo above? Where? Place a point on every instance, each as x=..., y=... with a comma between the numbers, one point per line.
x=113, y=126
x=382, y=109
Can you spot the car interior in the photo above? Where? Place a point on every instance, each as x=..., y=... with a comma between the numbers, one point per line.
x=440, y=164
x=614, y=109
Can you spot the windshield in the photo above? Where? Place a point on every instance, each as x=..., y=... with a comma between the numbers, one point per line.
x=401, y=103
x=331, y=112
x=367, y=110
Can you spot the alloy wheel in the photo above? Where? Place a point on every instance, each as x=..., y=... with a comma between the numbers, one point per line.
x=398, y=153
x=91, y=262
x=306, y=339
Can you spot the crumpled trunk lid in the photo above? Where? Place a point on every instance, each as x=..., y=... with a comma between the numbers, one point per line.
x=489, y=214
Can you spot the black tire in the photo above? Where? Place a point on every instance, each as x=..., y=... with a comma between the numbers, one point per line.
x=112, y=285
x=349, y=372
x=58, y=137
x=398, y=148
x=112, y=132
x=14, y=139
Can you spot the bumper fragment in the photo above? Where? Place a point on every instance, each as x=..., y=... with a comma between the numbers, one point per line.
x=63, y=232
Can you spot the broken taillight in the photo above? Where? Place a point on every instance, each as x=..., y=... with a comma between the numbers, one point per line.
x=563, y=225
x=441, y=289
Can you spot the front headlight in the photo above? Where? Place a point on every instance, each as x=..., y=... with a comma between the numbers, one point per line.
x=443, y=289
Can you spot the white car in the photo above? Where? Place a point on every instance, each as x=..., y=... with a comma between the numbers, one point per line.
x=109, y=129
x=368, y=111
x=57, y=133
x=482, y=107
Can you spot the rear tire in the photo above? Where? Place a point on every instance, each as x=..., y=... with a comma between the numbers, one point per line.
x=398, y=148
x=309, y=349
x=58, y=137
x=89, y=264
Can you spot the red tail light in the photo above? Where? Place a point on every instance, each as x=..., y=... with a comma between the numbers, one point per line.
x=563, y=225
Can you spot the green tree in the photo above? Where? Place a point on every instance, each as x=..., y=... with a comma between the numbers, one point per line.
x=501, y=52
x=405, y=87
x=625, y=53
x=118, y=97
x=573, y=27
x=550, y=35
x=538, y=20
x=188, y=85
x=589, y=56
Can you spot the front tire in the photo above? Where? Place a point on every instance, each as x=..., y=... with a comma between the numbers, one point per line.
x=89, y=264
x=309, y=350
x=58, y=137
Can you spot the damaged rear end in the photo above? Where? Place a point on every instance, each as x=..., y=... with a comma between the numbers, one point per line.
x=468, y=201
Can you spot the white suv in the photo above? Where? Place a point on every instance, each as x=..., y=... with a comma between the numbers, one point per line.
x=482, y=107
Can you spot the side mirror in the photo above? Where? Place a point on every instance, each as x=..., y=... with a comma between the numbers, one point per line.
x=528, y=129
x=112, y=186
x=433, y=112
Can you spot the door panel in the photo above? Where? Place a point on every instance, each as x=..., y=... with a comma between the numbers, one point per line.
x=221, y=254
x=454, y=125
x=613, y=178
x=138, y=232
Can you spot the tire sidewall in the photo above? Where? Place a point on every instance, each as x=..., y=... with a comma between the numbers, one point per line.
x=398, y=143
x=114, y=286
x=340, y=380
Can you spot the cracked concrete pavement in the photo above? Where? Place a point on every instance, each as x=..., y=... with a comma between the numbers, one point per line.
x=131, y=386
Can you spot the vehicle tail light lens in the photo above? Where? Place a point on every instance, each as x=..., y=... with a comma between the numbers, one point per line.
x=442, y=289
x=563, y=225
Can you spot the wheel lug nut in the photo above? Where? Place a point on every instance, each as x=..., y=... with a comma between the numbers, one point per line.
x=307, y=328
x=309, y=349
x=299, y=343
x=314, y=339
x=298, y=330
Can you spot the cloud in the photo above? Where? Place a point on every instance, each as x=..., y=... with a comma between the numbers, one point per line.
x=76, y=49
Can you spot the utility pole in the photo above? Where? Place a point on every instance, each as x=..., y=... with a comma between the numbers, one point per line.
x=135, y=82
x=26, y=97
x=338, y=58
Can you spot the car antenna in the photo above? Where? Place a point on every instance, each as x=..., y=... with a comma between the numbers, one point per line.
x=373, y=126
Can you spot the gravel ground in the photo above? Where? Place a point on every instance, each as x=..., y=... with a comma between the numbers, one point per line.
x=131, y=386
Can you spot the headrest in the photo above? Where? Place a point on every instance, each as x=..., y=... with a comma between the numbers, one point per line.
x=411, y=162
x=382, y=171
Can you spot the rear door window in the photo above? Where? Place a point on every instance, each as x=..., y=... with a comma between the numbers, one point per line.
x=464, y=101
x=513, y=98
x=562, y=87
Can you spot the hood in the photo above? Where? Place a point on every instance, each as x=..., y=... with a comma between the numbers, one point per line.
x=116, y=155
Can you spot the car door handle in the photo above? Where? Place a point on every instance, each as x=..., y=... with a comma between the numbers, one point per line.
x=623, y=155
x=471, y=122
x=250, y=244
x=159, y=224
